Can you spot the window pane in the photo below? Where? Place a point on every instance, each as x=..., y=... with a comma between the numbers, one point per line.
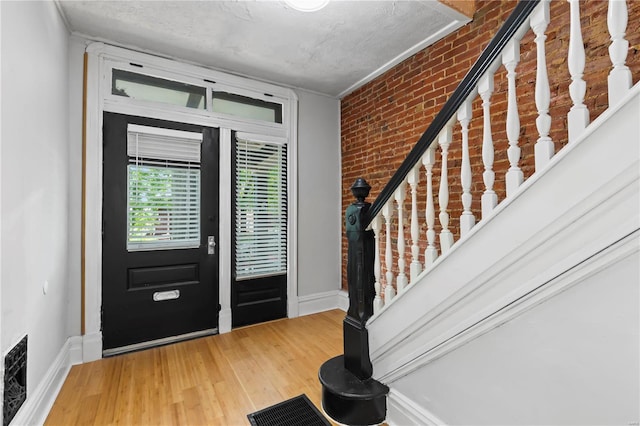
x=163, y=207
x=245, y=107
x=163, y=188
x=261, y=209
x=145, y=88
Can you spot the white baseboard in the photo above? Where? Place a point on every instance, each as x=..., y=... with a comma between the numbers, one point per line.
x=39, y=402
x=402, y=411
x=75, y=350
x=224, y=321
x=321, y=302
x=92, y=347
x=293, y=308
x=343, y=300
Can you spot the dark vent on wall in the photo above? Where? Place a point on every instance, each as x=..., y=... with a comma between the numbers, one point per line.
x=15, y=381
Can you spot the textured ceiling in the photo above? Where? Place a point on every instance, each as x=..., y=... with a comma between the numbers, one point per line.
x=331, y=51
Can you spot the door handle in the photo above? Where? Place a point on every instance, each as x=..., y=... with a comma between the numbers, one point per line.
x=211, y=245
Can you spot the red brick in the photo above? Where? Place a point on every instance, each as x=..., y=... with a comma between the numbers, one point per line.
x=382, y=120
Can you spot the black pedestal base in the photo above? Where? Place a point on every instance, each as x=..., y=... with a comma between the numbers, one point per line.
x=349, y=400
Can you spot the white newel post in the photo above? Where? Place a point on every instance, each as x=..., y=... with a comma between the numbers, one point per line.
x=415, y=268
x=430, y=253
x=389, y=291
x=489, y=199
x=544, y=148
x=578, y=116
x=377, y=301
x=620, y=75
x=446, y=237
x=510, y=59
x=402, y=281
x=467, y=220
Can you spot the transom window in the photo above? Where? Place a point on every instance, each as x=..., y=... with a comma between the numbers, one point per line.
x=146, y=88
x=143, y=87
x=246, y=107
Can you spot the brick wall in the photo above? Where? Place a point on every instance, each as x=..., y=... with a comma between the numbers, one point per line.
x=382, y=120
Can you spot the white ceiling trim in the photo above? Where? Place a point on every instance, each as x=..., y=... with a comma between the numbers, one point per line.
x=460, y=21
x=63, y=15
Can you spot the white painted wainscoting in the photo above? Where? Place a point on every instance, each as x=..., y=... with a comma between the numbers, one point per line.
x=533, y=318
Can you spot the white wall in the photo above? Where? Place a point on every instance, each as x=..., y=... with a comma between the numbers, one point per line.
x=1, y=350
x=319, y=193
x=35, y=182
x=570, y=360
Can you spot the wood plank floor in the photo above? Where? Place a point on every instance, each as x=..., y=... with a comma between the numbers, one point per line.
x=215, y=380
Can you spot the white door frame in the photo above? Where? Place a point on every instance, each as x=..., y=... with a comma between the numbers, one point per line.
x=99, y=99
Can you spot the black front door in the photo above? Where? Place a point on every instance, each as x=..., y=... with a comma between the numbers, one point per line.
x=160, y=223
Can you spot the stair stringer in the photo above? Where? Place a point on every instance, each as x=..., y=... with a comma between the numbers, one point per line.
x=584, y=201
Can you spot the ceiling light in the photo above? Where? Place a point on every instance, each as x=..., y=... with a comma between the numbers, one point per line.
x=307, y=5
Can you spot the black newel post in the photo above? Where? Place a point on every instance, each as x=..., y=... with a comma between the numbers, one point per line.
x=349, y=394
x=361, y=284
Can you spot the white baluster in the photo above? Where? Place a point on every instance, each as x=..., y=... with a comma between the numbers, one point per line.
x=377, y=301
x=510, y=59
x=467, y=220
x=489, y=198
x=389, y=291
x=544, y=148
x=446, y=237
x=578, y=116
x=620, y=75
x=402, y=281
x=415, y=268
x=430, y=253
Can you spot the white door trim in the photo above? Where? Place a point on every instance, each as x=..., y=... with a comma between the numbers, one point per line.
x=99, y=100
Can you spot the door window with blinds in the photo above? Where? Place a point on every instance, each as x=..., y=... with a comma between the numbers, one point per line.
x=260, y=207
x=163, y=188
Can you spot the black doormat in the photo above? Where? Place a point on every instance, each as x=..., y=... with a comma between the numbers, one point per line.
x=298, y=411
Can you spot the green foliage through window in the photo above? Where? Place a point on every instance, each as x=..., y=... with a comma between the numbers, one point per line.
x=163, y=206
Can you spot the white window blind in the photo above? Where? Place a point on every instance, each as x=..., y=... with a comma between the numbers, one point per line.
x=163, y=188
x=261, y=208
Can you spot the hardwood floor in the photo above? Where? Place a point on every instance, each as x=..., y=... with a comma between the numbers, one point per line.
x=216, y=380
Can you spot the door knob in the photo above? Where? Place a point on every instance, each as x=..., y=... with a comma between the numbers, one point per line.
x=211, y=245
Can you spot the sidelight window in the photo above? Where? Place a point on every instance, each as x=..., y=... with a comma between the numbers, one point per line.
x=163, y=194
x=260, y=208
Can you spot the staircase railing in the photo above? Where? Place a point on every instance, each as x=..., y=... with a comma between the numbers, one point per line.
x=504, y=49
